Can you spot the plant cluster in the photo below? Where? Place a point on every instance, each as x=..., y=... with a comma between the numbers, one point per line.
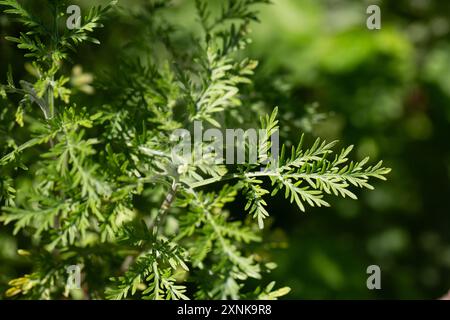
x=98, y=186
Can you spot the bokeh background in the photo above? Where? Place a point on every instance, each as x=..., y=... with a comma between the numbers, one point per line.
x=385, y=91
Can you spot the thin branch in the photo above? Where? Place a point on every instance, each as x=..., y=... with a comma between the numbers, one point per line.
x=165, y=206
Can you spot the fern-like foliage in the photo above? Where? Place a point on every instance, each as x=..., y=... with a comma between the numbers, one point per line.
x=104, y=189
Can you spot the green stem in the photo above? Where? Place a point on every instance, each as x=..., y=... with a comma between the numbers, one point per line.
x=234, y=176
x=167, y=203
x=51, y=99
x=51, y=96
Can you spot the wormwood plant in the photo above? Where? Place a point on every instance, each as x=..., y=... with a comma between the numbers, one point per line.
x=98, y=186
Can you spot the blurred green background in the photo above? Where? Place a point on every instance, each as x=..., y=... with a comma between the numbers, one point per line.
x=386, y=91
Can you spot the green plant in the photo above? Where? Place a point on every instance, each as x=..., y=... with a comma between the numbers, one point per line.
x=102, y=188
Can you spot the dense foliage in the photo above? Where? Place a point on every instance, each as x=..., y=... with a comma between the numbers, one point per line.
x=98, y=185
x=385, y=91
